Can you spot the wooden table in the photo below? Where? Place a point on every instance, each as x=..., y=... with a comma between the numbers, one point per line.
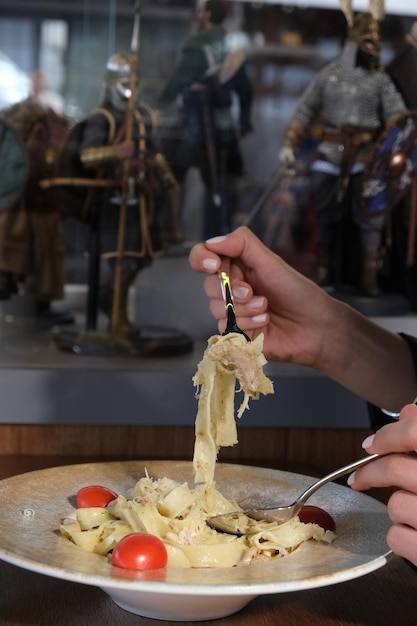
x=385, y=597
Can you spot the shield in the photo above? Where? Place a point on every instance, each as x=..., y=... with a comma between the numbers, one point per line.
x=392, y=165
x=14, y=167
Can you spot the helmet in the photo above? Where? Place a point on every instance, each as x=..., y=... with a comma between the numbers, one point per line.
x=118, y=74
x=365, y=33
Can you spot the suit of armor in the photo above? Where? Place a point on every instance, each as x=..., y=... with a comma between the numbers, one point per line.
x=104, y=150
x=201, y=86
x=347, y=96
x=355, y=100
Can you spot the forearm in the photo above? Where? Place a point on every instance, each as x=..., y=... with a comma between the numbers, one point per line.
x=94, y=157
x=372, y=362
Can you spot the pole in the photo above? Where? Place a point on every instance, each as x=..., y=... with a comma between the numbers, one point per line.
x=130, y=112
x=273, y=183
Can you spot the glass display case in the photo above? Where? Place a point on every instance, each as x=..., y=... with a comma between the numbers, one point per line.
x=66, y=44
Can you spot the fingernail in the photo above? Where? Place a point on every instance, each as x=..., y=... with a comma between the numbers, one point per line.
x=240, y=292
x=259, y=319
x=368, y=441
x=210, y=264
x=256, y=303
x=217, y=239
x=351, y=479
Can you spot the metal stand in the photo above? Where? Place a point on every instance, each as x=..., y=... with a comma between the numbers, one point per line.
x=153, y=342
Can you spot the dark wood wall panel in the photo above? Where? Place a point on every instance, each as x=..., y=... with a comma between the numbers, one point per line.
x=314, y=452
x=318, y=450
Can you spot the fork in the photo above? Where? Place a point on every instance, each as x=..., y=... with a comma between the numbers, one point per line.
x=235, y=523
x=231, y=324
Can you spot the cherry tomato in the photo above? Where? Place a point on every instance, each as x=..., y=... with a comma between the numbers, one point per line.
x=315, y=515
x=139, y=551
x=94, y=495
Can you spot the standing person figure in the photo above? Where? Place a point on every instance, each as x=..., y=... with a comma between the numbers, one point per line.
x=355, y=100
x=103, y=150
x=202, y=85
x=32, y=248
x=403, y=71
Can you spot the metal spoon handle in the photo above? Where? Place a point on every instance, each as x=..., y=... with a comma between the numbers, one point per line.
x=333, y=475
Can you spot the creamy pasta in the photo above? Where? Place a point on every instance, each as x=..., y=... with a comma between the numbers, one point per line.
x=228, y=359
x=176, y=512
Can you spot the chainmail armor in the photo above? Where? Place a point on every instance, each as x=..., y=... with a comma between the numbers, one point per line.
x=348, y=96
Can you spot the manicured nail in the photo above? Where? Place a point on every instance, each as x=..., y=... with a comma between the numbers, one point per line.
x=217, y=239
x=210, y=264
x=351, y=479
x=240, y=292
x=259, y=319
x=257, y=302
x=368, y=441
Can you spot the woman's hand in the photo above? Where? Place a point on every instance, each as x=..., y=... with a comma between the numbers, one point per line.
x=399, y=469
x=303, y=324
x=269, y=295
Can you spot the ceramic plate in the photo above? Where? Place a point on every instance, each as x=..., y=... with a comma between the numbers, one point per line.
x=32, y=506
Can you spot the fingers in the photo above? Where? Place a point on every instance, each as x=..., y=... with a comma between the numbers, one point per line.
x=393, y=470
x=398, y=470
x=402, y=536
x=203, y=260
x=251, y=310
x=402, y=508
x=400, y=436
x=241, y=244
x=403, y=541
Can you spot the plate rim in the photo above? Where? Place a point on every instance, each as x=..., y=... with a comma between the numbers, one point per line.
x=250, y=588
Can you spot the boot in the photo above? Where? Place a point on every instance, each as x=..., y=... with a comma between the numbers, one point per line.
x=124, y=328
x=371, y=264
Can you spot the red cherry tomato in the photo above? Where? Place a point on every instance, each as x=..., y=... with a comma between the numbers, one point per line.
x=94, y=495
x=139, y=551
x=315, y=515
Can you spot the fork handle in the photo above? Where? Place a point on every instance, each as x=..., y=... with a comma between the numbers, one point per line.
x=231, y=324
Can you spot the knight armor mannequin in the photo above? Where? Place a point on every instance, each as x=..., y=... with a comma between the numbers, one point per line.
x=103, y=150
x=355, y=99
x=201, y=88
x=31, y=231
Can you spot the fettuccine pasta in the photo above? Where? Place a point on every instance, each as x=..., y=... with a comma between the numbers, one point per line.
x=176, y=513
x=228, y=359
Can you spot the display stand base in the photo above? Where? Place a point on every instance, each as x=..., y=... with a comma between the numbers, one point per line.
x=152, y=342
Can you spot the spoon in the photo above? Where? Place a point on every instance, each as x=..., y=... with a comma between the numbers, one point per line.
x=242, y=522
x=231, y=324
